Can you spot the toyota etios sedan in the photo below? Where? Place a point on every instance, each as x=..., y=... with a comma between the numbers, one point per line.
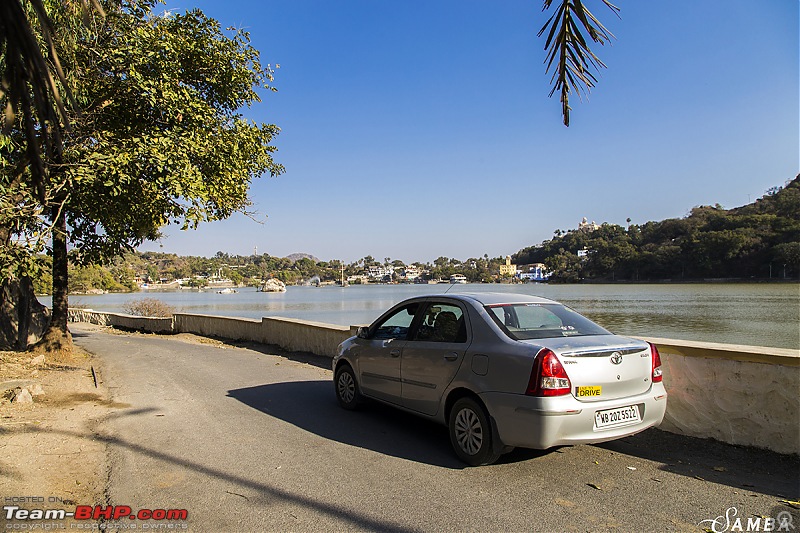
x=503, y=370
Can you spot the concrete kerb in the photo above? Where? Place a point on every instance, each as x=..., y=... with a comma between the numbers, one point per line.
x=737, y=394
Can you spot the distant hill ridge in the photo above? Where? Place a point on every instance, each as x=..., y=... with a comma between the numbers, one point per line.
x=299, y=256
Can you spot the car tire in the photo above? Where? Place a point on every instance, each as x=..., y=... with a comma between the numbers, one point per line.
x=347, y=390
x=471, y=433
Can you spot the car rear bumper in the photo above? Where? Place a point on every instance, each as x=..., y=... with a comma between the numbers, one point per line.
x=542, y=423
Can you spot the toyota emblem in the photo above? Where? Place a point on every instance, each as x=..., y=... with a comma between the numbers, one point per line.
x=616, y=358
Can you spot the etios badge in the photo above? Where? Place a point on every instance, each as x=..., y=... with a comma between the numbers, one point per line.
x=616, y=358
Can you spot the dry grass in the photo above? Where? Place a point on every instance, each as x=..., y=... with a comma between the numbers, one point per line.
x=18, y=365
x=15, y=365
x=49, y=447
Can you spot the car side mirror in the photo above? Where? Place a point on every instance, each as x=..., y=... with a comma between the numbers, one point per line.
x=362, y=332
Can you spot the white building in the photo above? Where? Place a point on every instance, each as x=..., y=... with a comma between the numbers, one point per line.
x=410, y=273
x=536, y=272
x=378, y=272
x=586, y=227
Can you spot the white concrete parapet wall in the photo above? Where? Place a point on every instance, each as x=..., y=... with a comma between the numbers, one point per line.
x=122, y=321
x=288, y=333
x=747, y=395
x=237, y=329
x=304, y=336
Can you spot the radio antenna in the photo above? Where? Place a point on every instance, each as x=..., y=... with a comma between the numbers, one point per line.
x=450, y=287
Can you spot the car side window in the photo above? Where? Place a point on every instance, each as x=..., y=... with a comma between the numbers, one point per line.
x=397, y=325
x=442, y=323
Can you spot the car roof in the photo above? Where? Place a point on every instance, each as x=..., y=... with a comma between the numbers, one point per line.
x=495, y=298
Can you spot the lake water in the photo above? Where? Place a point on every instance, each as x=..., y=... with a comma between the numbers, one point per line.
x=755, y=314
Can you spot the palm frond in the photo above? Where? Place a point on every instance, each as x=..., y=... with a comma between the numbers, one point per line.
x=28, y=83
x=568, y=49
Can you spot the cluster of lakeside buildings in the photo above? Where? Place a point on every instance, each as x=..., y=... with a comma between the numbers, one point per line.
x=214, y=281
x=377, y=273
x=371, y=275
x=412, y=274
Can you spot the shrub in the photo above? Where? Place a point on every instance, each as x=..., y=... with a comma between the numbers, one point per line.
x=148, y=307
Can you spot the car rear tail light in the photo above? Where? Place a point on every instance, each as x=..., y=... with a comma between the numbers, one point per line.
x=656, y=358
x=548, y=377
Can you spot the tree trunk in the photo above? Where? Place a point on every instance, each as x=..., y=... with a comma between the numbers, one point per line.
x=22, y=318
x=57, y=336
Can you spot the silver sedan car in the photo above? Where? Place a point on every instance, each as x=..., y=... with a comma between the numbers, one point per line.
x=503, y=370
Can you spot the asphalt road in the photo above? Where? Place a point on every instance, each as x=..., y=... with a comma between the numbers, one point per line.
x=252, y=439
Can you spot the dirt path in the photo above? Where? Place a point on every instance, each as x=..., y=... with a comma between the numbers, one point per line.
x=50, y=457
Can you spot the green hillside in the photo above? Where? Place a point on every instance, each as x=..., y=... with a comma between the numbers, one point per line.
x=760, y=240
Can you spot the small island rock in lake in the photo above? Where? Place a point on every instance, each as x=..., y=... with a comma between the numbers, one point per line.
x=272, y=285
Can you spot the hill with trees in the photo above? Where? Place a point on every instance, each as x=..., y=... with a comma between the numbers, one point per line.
x=759, y=240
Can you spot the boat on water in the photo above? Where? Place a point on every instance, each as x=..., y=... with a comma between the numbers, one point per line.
x=227, y=290
x=458, y=278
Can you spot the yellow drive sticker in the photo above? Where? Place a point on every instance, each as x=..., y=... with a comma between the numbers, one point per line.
x=583, y=392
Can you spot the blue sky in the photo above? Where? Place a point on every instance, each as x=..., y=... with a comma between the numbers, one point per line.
x=414, y=129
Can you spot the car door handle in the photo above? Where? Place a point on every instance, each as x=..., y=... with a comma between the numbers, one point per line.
x=395, y=353
x=451, y=356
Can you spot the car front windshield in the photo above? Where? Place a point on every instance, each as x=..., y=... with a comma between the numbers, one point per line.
x=542, y=321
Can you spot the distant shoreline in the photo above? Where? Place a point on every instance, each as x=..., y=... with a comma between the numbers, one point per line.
x=682, y=281
x=716, y=281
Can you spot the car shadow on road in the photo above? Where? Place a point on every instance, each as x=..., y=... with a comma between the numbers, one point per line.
x=750, y=469
x=311, y=405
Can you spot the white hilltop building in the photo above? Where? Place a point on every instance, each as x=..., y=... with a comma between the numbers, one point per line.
x=587, y=227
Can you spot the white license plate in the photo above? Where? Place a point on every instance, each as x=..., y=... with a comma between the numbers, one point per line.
x=621, y=416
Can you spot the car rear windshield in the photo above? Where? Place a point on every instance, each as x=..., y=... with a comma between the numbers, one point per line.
x=542, y=321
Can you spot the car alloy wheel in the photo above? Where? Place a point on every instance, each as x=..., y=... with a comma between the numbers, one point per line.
x=347, y=392
x=471, y=433
x=347, y=387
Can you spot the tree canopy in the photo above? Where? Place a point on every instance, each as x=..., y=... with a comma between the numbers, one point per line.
x=161, y=138
x=157, y=137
